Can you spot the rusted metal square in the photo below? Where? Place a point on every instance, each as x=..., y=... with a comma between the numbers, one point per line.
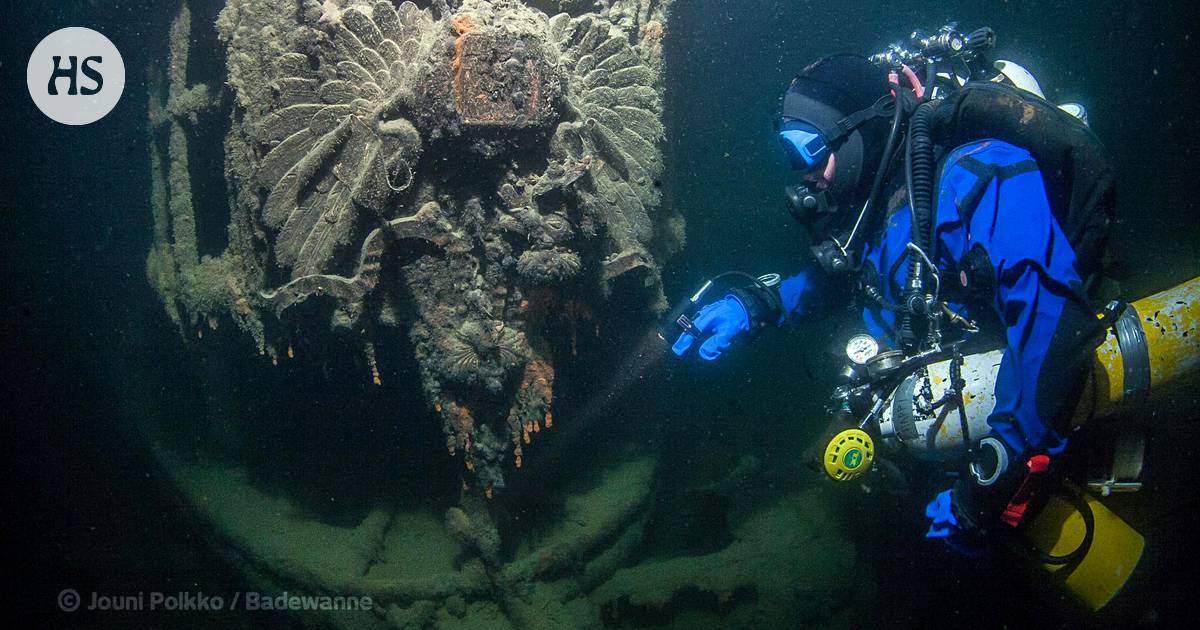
x=499, y=79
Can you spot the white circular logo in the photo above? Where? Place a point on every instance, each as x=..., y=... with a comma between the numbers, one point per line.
x=75, y=76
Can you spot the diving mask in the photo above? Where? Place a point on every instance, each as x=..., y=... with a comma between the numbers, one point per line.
x=804, y=144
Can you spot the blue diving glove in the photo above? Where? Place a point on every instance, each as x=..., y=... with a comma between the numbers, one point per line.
x=725, y=319
x=944, y=523
x=947, y=524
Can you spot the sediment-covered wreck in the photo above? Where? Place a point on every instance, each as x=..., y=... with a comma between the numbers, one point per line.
x=460, y=172
x=481, y=181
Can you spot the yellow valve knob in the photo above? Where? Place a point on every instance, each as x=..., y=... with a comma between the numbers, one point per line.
x=849, y=454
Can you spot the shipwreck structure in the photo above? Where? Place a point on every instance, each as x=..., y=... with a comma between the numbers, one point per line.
x=461, y=172
x=471, y=189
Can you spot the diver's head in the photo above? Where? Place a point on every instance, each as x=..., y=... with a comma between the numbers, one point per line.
x=833, y=126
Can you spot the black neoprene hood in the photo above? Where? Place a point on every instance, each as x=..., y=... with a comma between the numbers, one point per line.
x=829, y=90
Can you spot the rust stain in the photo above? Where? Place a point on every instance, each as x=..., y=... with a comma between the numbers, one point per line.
x=462, y=24
x=1027, y=113
x=475, y=88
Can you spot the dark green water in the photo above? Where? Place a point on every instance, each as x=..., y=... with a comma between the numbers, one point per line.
x=88, y=509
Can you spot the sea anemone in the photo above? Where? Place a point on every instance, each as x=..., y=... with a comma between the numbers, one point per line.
x=549, y=266
x=483, y=352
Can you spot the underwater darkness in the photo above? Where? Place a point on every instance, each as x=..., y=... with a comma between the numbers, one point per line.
x=86, y=508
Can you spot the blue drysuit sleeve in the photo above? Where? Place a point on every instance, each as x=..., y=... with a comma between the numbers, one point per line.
x=1036, y=297
x=802, y=294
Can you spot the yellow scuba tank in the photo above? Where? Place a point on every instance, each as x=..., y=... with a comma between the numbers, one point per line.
x=1133, y=360
x=1154, y=341
x=1094, y=550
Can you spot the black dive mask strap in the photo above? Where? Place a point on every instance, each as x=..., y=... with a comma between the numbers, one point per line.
x=880, y=109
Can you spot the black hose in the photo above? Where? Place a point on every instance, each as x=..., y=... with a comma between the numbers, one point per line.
x=922, y=163
x=885, y=160
x=877, y=299
x=920, y=166
x=1079, y=502
x=737, y=274
x=904, y=328
x=957, y=385
x=756, y=281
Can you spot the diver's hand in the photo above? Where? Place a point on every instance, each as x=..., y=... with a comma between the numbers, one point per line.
x=968, y=512
x=723, y=320
x=950, y=522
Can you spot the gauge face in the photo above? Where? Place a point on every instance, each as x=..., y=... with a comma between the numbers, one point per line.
x=861, y=348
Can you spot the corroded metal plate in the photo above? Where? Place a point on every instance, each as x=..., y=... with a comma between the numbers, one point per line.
x=499, y=80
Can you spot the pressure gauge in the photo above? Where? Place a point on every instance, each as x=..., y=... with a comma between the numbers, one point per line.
x=861, y=348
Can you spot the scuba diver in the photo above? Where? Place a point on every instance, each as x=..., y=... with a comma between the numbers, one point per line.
x=949, y=207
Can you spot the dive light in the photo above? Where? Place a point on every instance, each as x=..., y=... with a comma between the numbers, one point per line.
x=680, y=318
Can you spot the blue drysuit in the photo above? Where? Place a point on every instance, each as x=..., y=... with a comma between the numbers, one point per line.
x=991, y=196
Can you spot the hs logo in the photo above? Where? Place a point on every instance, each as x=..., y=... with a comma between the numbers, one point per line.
x=70, y=73
x=75, y=76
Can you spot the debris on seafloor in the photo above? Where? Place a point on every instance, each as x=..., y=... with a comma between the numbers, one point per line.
x=787, y=565
x=420, y=571
x=787, y=561
x=430, y=168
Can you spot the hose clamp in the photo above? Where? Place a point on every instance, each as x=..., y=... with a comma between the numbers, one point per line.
x=1001, y=462
x=770, y=279
x=1135, y=353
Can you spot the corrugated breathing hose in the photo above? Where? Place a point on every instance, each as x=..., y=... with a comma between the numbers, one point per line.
x=920, y=166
